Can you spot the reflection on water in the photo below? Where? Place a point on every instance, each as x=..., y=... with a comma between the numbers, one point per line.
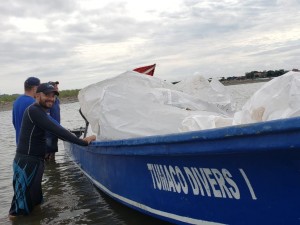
x=69, y=197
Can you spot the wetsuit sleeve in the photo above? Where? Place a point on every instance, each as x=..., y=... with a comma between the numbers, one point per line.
x=42, y=120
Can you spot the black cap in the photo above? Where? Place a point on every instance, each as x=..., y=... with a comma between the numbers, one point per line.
x=53, y=82
x=46, y=88
x=32, y=81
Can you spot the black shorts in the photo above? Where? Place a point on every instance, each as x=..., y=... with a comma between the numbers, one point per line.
x=27, y=184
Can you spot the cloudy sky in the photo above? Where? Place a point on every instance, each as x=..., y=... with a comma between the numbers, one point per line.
x=79, y=42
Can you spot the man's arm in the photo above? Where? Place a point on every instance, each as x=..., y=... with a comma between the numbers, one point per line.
x=40, y=118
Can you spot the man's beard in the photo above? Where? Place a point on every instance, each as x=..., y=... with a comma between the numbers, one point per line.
x=44, y=104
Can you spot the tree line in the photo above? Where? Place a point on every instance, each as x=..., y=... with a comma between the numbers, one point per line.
x=62, y=94
x=258, y=74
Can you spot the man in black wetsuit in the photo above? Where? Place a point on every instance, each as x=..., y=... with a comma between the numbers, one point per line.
x=28, y=164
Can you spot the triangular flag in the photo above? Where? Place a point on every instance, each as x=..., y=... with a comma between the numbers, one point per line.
x=149, y=70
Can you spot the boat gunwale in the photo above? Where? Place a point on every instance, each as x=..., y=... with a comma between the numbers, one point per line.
x=245, y=130
x=272, y=136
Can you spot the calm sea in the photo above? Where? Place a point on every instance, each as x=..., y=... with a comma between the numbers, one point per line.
x=69, y=197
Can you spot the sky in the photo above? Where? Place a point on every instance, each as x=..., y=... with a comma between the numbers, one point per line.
x=80, y=42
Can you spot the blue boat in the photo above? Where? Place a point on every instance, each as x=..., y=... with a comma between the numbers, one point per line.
x=247, y=174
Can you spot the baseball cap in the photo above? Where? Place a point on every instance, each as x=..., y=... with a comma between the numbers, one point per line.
x=53, y=82
x=46, y=88
x=32, y=81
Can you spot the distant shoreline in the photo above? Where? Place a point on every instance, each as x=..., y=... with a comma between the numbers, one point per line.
x=248, y=81
x=7, y=106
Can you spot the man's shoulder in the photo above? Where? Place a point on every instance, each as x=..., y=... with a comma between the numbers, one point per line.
x=19, y=99
x=35, y=107
x=22, y=102
x=57, y=101
x=23, y=99
x=34, y=110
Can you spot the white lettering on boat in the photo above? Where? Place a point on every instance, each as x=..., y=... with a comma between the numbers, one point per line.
x=209, y=182
x=248, y=184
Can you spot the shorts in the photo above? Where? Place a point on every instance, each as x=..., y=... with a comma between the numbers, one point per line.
x=27, y=184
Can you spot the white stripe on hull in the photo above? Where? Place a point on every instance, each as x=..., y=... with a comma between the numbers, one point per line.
x=149, y=209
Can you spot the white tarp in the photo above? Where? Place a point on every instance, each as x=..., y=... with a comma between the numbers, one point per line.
x=276, y=99
x=134, y=105
x=213, y=92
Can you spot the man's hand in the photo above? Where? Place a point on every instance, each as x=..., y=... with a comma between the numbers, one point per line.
x=89, y=139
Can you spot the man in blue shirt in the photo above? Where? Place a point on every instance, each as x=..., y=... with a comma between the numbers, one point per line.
x=52, y=140
x=23, y=101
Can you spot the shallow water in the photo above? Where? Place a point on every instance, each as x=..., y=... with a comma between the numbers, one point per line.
x=69, y=197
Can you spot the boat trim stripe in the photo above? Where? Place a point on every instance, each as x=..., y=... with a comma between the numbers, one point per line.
x=149, y=209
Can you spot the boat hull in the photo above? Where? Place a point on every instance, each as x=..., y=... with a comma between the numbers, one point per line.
x=237, y=175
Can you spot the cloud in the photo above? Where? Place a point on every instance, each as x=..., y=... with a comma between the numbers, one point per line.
x=84, y=41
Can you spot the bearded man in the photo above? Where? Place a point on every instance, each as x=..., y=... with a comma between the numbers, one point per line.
x=28, y=164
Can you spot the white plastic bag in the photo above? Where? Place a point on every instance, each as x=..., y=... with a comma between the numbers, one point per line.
x=212, y=92
x=203, y=122
x=277, y=99
x=136, y=105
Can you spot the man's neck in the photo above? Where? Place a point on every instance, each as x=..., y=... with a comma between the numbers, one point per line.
x=29, y=93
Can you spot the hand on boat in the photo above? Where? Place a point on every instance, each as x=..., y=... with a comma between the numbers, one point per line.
x=89, y=139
